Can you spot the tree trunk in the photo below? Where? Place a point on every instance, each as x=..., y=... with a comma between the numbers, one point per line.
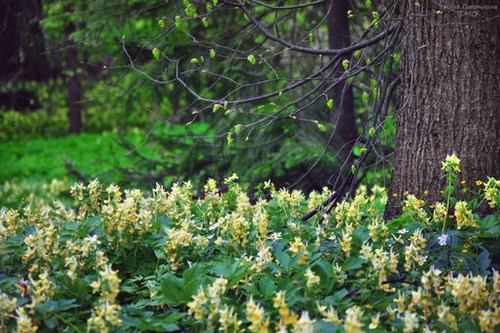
x=451, y=96
x=341, y=93
x=75, y=92
x=22, y=41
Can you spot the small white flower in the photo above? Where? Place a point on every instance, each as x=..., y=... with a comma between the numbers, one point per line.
x=402, y=231
x=442, y=239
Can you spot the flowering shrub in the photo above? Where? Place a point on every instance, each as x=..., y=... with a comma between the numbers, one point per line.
x=123, y=260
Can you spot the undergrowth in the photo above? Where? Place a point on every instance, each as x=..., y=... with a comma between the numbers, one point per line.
x=130, y=261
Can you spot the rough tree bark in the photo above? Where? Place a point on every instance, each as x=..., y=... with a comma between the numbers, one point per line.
x=451, y=96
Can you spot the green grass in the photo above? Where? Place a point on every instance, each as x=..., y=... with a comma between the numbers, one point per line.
x=42, y=159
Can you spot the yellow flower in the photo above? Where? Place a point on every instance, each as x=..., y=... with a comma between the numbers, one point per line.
x=492, y=192
x=312, y=279
x=195, y=307
x=229, y=319
x=305, y=324
x=297, y=246
x=463, y=215
x=24, y=322
x=287, y=317
x=255, y=314
x=451, y=163
x=353, y=318
x=410, y=321
x=445, y=315
x=375, y=321
x=487, y=322
x=7, y=306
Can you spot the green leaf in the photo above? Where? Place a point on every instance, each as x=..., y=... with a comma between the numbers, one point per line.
x=483, y=261
x=371, y=131
x=326, y=327
x=329, y=103
x=251, y=59
x=345, y=64
x=352, y=263
x=212, y=53
x=267, y=287
x=161, y=23
x=172, y=289
x=283, y=258
x=156, y=53
x=321, y=127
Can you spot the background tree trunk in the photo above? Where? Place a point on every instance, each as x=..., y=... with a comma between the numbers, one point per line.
x=339, y=37
x=22, y=52
x=451, y=96
x=75, y=91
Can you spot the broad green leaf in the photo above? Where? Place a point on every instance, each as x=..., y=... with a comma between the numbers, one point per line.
x=251, y=59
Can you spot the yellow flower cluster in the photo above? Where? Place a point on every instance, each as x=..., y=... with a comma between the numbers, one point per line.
x=451, y=164
x=206, y=304
x=413, y=204
x=464, y=216
x=255, y=315
x=330, y=315
x=311, y=278
x=106, y=313
x=305, y=324
x=492, y=192
x=382, y=263
x=125, y=218
x=42, y=289
x=176, y=239
x=353, y=323
x=235, y=227
x=439, y=214
x=42, y=245
x=7, y=307
x=228, y=320
x=414, y=252
x=10, y=221
x=77, y=251
x=287, y=317
x=289, y=201
x=264, y=256
x=317, y=198
x=378, y=229
x=24, y=322
x=470, y=293
x=346, y=239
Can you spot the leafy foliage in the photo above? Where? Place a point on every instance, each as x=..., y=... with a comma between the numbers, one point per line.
x=168, y=261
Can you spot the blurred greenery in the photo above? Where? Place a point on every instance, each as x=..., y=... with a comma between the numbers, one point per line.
x=43, y=159
x=141, y=127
